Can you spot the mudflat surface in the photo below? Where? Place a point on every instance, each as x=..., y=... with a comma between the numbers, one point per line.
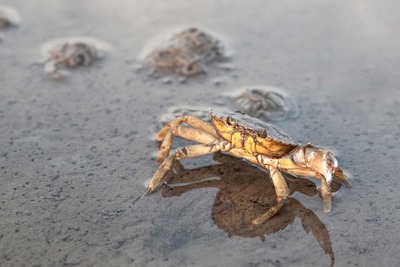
x=77, y=154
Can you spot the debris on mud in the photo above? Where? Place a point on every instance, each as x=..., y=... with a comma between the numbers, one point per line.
x=266, y=103
x=70, y=53
x=9, y=17
x=263, y=102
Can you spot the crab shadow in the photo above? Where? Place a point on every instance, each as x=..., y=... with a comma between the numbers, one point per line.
x=244, y=194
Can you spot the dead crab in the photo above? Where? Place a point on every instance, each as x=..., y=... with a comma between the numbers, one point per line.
x=265, y=102
x=185, y=53
x=254, y=140
x=270, y=104
x=71, y=53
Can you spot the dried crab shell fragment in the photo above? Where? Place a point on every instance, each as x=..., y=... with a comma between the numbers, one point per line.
x=201, y=44
x=9, y=17
x=265, y=103
x=71, y=53
x=185, y=53
x=262, y=102
x=175, y=59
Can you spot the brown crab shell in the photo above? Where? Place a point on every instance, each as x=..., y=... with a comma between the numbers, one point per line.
x=251, y=134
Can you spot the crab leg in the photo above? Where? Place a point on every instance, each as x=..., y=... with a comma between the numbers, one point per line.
x=189, y=120
x=326, y=195
x=189, y=133
x=282, y=192
x=181, y=153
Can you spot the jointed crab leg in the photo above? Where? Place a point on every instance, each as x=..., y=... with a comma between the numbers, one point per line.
x=326, y=195
x=182, y=153
x=282, y=192
x=190, y=120
x=201, y=131
x=189, y=133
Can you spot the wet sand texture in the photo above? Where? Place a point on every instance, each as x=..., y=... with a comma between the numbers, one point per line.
x=75, y=155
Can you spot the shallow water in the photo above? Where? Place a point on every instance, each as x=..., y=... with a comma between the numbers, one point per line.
x=75, y=155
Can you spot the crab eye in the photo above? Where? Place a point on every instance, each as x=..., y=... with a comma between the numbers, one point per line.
x=262, y=133
x=230, y=121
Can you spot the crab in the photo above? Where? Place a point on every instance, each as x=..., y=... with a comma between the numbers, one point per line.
x=186, y=53
x=176, y=59
x=265, y=102
x=260, y=143
x=71, y=53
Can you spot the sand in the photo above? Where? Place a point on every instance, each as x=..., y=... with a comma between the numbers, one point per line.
x=76, y=154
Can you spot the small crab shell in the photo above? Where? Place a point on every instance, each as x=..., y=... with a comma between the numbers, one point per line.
x=8, y=17
x=254, y=135
x=185, y=52
x=71, y=52
x=264, y=102
x=99, y=48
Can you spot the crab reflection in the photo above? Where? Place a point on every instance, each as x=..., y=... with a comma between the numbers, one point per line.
x=244, y=194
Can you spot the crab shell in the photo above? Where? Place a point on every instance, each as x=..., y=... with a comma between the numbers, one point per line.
x=258, y=137
x=252, y=134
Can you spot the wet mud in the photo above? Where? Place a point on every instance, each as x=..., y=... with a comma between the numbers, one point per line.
x=9, y=19
x=76, y=155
